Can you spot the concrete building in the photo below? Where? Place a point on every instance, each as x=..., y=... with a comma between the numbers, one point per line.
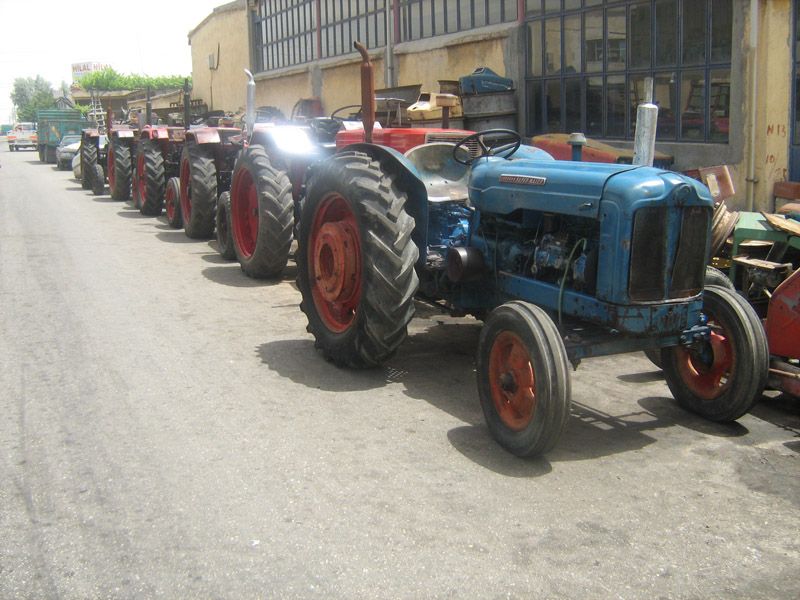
x=723, y=69
x=219, y=55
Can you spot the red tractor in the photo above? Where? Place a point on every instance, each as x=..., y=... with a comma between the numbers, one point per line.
x=157, y=159
x=206, y=169
x=270, y=174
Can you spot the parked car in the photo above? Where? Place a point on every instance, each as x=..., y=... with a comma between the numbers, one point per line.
x=66, y=150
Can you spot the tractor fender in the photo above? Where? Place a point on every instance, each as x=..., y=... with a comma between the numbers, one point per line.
x=409, y=180
x=203, y=136
x=155, y=133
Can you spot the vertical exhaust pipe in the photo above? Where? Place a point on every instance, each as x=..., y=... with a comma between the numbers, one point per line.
x=250, y=108
x=148, y=109
x=367, y=93
x=187, y=113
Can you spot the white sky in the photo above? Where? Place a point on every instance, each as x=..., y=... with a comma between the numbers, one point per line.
x=44, y=37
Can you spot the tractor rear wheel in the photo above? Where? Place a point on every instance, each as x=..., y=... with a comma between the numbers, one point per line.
x=198, y=190
x=262, y=214
x=88, y=159
x=523, y=378
x=98, y=180
x=172, y=203
x=225, y=242
x=119, y=170
x=355, y=261
x=723, y=378
x=150, y=179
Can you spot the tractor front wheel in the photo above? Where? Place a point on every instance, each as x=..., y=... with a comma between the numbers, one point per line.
x=523, y=378
x=119, y=170
x=98, y=180
x=150, y=179
x=721, y=379
x=224, y=233
x=198, y=190
x=172, y=203
x=262, y=214
x=355, y=261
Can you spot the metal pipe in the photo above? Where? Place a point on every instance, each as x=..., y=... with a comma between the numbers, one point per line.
x=250, y=106
x=367, y=93
x=187, y=113
x=644, y=144
x=148, y=109
x=751, y=159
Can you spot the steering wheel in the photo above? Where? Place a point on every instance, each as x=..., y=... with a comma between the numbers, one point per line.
x=334, y=114
x=491, y=142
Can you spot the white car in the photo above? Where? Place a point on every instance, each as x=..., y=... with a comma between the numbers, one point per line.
x=76, y=166
x=66, y=150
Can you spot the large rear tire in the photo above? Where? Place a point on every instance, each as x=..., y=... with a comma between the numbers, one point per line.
x=172, y=203
x=150, y=178
x=523, y=378
x=262, y=214
x=224, y=232
x=88, y=160
x=119, y=170
x=198, y=191
x=355, y=261
x=723, y=378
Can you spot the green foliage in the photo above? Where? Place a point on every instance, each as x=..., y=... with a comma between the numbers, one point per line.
x=31, y=94
x=109, y=80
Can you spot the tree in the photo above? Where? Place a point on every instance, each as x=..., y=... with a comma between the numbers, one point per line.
x=109, y=80
x=31, y=94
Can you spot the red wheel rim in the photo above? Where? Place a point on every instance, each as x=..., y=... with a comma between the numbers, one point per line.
x=334, y=263
x=708, y=379
x=141, y=179
x=186, y=191
x=244, y=212
x=512, y=381
x=170, y=202
x=111, y=170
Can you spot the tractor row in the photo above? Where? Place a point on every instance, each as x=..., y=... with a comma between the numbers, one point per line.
x=561, y=260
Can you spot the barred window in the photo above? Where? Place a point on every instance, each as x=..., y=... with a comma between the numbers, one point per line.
x=427, y=18
x=343, y=22
x=587, y=62
x=285, y=33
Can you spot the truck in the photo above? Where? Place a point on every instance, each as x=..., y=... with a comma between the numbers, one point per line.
x=22, y=135
x=53, y=125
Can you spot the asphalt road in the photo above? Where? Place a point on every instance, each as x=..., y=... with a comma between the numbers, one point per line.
x=167, y=430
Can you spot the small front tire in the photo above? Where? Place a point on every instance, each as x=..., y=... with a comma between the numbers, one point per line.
x=223, y=227
x=172, y=203
x=722, y=379
x=523, y=378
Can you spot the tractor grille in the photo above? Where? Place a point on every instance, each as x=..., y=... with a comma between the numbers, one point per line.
x=453, y=138
x=661, y=269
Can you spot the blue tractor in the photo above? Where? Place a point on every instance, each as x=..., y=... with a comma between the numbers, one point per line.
x=561, y=260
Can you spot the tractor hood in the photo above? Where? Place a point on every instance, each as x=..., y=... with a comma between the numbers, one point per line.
x=574, y=188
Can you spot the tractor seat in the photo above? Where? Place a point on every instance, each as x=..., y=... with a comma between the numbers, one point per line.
x=444, y=178
x=325, y=129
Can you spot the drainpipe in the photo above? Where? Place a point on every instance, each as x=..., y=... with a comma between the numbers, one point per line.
x=751, y=161
x=389, y=79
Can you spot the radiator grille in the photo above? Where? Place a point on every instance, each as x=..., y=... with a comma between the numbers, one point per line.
x=660, y=270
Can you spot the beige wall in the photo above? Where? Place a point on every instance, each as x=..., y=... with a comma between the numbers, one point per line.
x=773, y=116
x=428, y=67
x=284, y=91
x=223, y=88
